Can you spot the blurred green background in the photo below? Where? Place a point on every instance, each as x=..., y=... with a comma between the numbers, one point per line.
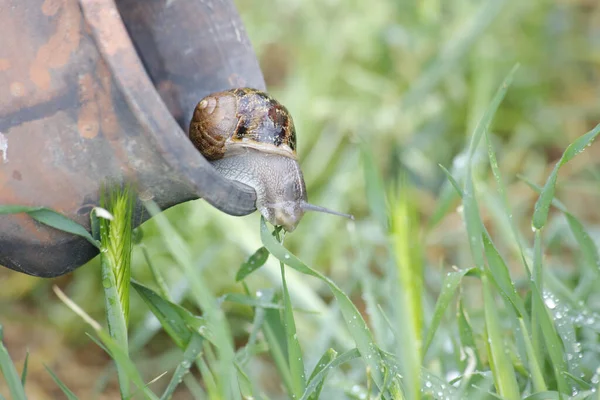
x=408, y=78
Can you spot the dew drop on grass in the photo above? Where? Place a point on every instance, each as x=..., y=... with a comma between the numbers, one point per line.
x=550, y=302
x=106, y=282
x=287, y=256
x=558, y=315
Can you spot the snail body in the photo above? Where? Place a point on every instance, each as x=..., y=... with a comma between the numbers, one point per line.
x=250, y=137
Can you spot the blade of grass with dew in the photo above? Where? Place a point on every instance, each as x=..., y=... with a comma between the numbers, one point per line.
x=254, y=262
x=213, y=314
x=542, y=206
x=24, y=372
x=295, y=358
x=430, y=381
x=274, y=332
x=9, y=371
x=194, y=347
x=408, y=309
x=583, y=384
x=471, y=213
x=582, y=237
x=318, y=377
x=53, y=219
x=502, y=368
x=265, y=296
x=465, y=332
x=562, y=311
x=501, y=277
x=449, y=285
x=323, y=362
x=67, y=392
x=173, y=318
x=537, y=376
x=498, y=268
x=357, y=326
x=120, y=356
x=504, y=198
x=249, y=301
x=544, y=325
x=246, y=386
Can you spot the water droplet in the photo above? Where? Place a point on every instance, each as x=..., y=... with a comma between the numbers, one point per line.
x=550, y=303
x=287, y=256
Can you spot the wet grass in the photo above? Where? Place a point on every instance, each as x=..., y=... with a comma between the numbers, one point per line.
x=470, y=271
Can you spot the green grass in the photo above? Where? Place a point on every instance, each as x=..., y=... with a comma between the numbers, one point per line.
x=471, y=268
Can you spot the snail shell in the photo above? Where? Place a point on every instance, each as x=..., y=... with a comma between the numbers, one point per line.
x=250, y=137
x=225, y=122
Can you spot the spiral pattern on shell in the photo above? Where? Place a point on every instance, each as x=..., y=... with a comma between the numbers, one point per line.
x=227, y=121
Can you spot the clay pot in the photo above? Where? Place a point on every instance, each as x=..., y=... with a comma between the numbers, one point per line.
x=102, y=90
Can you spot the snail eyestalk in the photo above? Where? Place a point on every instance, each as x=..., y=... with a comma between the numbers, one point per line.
x=312, y=207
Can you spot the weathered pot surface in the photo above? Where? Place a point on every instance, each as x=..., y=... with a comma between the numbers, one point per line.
x=98, y=90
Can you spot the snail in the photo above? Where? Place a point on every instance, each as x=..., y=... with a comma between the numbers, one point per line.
x=250, y=137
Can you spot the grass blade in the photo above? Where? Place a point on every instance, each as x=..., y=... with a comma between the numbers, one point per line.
x=206, y=301
x=451, y=282
x=582, y=236
x=192, y=351
x=274, y=332
x=502, y=368
x=9, y=371
x=465, y=332
x=542, y=206
x=24, y=372
x=70, y=395
x=323, y=362
x=158, y=278
x=51, y=218
x=317, y=378
x=501, y=276
x=249, y=301
x=293, y=346
x=535, y=370
x=120, y=356
x=354, y=321
x=254, y=262
x=504, y=197
x=174, y=319
x=408, y=274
